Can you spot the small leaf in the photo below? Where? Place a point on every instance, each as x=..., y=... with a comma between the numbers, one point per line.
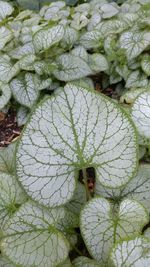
x=136, y=79
x=141, y=114
x=27, y=62
x=7, y=69
x=22, y=115
x=7, y=158
x=134, y=43
x=85, y=262
x=5, y=10
x=70, y=37
x=81, y=52
x=71, y=68
x=5, y=36
x=61, y=128
x=33, y=238
x=98, y=62
x=137, y=189
x=91, y=39
x=130, y=95
x=45, y=38
x=145, y=64
x=21, y=51
x=134, y=252
x=24, y=89
x=109, y=10
x=11, y=197
x=5, y=95
x=101, y=226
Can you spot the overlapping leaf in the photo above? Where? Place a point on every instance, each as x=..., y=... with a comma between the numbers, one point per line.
x=33, y=236
x=138, y=188
x=25, y=89
x=134, y=253
x=101, y=226
x=71, y=67
x=11, y=197
x=75, y=128
x=141, y=114
x=45, y=38
x=7, y=158
x=5, y=10
x=5, y=95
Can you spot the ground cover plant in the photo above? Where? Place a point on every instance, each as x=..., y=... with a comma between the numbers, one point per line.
x=75, y=185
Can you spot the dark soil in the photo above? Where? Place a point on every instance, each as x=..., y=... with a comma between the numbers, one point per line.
x=9, y=130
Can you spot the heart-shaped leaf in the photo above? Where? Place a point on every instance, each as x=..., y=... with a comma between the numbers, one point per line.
x=11, y=197
x=101, y=226
x=5, y=36
x=91, y=39
x=5, y=95
x=45, y=38
x=71, y=67
x=74, y=129
x=33, y=237
x=134, y=253
x=25, y=89
x=134, y=43
x=138, y=188
x=7, y=69
x=5, y=10
x=98, y=62
x=145, y=64
x=141, y=114
x=7, y=158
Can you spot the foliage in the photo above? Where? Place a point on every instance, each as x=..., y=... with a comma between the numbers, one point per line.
x=49, y=60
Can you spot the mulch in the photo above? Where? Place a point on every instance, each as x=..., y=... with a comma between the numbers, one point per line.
x=9, y=129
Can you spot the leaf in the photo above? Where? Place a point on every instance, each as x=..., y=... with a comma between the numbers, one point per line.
x=22, y=116
x=6, y=263
x=85, y=262
x=45, y=38
x=70, y=37
x=67, y=263
x=147, y=233
x=101, y=226
x=27, y=62
x=74, y=129
x=137, y=189
x=134, y=43
x=98, y=62
x=5, y=10
x=5, y=95
x=109, y=10
x=71, y=68
x=24, y=89
x=7, y=158
x=11, y=197
x=91, y=39
x=136, y=79
x=141, y=114
x=7, y=69
x=21, y=51
x=5, y=36
x=130, y=95
x=32, y=237
x=81, y=52
x=145, y=64
x=134, y=252
x=78, y=200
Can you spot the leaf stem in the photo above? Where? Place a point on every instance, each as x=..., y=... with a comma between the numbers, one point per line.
x=88, y=195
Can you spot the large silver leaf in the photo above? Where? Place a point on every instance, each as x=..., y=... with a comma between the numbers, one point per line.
x=74, y=129
x=32, y=237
